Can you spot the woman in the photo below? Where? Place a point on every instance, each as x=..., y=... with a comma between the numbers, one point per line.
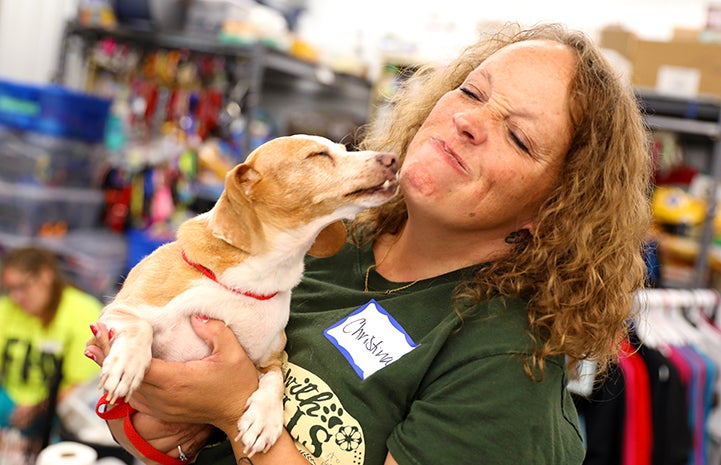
x=43, y=330
x=443, y=334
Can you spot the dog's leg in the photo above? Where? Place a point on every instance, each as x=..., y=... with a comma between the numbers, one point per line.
x=262, y=423
x=129, y=356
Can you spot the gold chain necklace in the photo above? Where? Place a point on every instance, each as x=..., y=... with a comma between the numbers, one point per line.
x=375, y=265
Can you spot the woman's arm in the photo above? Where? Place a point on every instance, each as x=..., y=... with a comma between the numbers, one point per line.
x=163, y=436
x=213, y=390
x=177, y=398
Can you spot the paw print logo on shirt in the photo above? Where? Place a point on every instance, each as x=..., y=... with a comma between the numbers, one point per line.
x=324, y=432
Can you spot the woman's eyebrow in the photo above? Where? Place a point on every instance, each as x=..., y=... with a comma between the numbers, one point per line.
x=485, y=75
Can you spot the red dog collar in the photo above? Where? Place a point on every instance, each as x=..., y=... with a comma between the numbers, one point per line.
x=209, y=274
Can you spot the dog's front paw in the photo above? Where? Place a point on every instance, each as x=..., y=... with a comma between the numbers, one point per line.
x=124, y=367
x=262, y=423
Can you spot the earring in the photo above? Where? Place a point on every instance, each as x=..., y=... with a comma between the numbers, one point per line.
x=518, y=237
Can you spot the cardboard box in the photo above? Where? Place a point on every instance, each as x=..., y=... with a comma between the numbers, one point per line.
x=686, y=34
x=657, y=62
x=619, y=39
x=684, y=66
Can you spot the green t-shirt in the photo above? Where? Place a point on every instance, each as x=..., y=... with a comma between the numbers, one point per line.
x=30, y=351
x=400, y=373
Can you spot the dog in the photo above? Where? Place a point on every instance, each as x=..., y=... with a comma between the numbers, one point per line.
x=238, y=262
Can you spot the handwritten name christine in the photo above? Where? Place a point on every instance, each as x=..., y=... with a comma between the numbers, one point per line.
x=357, y=329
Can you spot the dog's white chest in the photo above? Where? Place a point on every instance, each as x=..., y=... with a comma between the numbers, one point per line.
x=256, y=323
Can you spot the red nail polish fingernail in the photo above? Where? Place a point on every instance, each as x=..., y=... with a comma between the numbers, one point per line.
x=94, y=329
x=203, y=318
x=111, y=333
x=90, y=355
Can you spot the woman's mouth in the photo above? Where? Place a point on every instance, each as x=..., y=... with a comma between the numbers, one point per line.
x=451, y=155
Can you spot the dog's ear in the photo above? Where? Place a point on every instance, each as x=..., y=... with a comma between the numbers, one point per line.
x=244, y=176
x=329, y=241
x=233, y=218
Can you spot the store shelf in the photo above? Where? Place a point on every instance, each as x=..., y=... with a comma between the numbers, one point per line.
x=685, y=126
x=275, y=83
x=158, y=39
x=697, y=109
x=281, y=62
x=262, y=55
x=696, y=117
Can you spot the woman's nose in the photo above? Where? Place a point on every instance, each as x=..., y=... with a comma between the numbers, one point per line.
x=472, y=125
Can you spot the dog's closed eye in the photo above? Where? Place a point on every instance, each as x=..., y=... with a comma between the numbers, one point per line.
x=321, y=153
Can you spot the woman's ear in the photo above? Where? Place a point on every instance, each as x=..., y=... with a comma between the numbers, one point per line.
x=519, y=236
x=329, y=241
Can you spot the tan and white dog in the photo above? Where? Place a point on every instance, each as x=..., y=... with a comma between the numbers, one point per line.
x=238, y=263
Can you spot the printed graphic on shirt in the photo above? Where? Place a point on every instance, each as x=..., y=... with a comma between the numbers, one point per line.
x=370, y=339
x=324, y=432
x=22, y=361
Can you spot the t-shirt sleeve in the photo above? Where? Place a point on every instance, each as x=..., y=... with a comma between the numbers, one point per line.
x=489, y=406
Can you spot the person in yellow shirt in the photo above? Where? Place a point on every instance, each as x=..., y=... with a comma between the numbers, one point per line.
x=43, y=329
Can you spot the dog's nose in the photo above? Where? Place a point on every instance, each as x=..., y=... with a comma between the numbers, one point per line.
x=388, y=160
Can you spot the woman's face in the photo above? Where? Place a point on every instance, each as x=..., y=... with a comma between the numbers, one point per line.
x=490, y=151
x=30, y=292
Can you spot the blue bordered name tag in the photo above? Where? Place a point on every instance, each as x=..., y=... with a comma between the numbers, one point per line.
x=370, y=339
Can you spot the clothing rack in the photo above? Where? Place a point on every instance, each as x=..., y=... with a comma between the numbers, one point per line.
x=659, y=404
x=708, y=299
x=664, y=315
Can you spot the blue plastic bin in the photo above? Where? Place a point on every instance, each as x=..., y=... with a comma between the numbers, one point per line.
x=53, y=110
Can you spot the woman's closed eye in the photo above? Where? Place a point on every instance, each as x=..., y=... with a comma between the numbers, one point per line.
x=518, y=141
x=474, y=93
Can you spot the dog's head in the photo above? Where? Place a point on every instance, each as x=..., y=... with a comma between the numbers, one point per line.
x=298, y=186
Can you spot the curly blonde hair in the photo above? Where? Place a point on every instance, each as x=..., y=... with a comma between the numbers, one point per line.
x=581, y=266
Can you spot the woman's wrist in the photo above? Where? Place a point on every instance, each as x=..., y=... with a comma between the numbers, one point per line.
x=229, y=426
x=283, y=451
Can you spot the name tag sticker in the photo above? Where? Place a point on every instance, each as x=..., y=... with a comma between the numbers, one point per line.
x=370, y=339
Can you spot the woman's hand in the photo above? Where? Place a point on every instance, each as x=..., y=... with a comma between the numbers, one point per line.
x=163, y=436
x=213, y=390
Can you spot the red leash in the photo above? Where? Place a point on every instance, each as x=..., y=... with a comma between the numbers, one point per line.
x=123, y=410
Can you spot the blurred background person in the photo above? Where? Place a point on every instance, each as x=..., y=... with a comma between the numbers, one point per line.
x=43, y=329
